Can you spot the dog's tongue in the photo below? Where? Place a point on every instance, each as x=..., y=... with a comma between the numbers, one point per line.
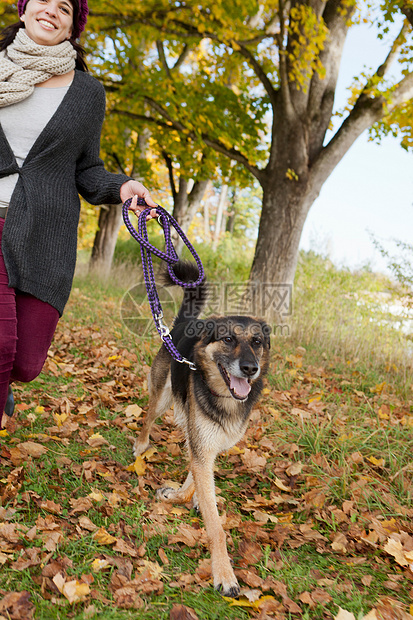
x=240, y=386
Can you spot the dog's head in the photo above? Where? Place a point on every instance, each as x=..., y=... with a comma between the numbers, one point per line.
x=233, y=353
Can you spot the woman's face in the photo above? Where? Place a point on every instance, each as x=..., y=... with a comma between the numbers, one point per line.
x=48, y=22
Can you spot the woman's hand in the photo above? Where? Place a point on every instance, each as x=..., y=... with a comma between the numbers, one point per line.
x=134, y=189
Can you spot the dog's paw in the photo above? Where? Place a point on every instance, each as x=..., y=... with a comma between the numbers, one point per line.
x=231, y=590
x=139, y=448
x=225, y=581
x=165, y=494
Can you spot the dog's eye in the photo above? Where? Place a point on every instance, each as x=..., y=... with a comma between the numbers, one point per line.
x=257, y=342
x=228, y=339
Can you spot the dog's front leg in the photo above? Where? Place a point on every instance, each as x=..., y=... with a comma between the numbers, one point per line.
x=160, y=399
x=224, y=578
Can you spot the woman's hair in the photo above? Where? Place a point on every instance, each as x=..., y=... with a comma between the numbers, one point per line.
x=8, y=34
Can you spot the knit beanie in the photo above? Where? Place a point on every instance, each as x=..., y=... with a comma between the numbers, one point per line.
x=82, y=17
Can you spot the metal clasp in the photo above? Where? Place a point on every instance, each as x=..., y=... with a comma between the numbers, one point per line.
x=186, y=361
x=162, y=328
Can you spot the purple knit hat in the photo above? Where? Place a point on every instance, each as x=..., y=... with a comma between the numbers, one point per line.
x=81, y=20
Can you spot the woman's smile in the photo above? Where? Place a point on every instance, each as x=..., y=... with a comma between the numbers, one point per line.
x=48, y=22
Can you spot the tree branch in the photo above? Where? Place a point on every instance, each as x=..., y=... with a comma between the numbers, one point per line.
x=366, y=111
x=407, y=11
x=141, y=117
x=394, y=50
x=182, y=57
x=285, y=90
x=118, y=162
x=188, y=30
x=162, y=58
x=259, y=72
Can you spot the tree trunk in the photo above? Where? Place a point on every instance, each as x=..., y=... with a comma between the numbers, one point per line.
x=220, y=212
x=110, y=220
x=277, y=246
x=207, y=230
x=186, y=204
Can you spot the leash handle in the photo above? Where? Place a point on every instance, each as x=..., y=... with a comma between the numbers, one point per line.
x=170, y=256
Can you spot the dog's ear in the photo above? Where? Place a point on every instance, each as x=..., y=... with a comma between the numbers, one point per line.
x=209, y=333
x=199, y=329
x=266, y=331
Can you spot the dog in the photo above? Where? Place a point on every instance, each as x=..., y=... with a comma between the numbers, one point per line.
x=212, y=404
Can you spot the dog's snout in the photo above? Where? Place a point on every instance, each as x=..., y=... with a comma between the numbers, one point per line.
x=249, y=368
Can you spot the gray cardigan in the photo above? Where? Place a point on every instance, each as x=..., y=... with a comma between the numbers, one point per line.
x=40, y=233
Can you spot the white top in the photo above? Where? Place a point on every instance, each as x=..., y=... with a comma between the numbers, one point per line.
x=22, y=124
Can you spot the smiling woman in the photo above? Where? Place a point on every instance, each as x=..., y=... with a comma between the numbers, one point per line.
x=48, y=22
x=51, y=115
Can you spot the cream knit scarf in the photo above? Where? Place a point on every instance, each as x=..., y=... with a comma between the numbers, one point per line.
x=24, y=63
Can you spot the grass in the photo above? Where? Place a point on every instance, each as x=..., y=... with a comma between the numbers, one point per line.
x=332, y=484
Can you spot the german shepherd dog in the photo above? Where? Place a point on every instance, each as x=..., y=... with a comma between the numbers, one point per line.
x=212, y=404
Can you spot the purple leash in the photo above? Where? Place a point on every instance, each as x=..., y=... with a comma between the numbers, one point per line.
x=170, y=256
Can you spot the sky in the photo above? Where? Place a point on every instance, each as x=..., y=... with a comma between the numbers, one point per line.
x=371, y=190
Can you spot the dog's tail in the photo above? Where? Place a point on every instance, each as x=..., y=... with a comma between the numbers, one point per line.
x=194, y=298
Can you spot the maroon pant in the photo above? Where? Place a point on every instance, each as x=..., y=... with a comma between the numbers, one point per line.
x=27, y=326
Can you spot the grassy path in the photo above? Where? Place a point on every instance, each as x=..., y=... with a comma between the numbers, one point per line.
x=316, y=500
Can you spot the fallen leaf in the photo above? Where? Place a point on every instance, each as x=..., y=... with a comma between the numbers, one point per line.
x=96, y=440
x=99, y=564
x=250, y=578
x=366, y=580
x=103, y=537
x=75, y=591
x=339, y=543
x=153, y=569
x=51, y=506
x=377, y=462
x=250, y=552
x=301, y=413
x=305, y=597
x=17, y=606
x=187, y=535
x=32, y=448
x=127, y=598
x=139, y=466
x=321, y=597
x=294, y=469
x=163, y=556
x=344, y=615
x=280, y=485
x=96, y=496
x=126, y=548
x=82, y=504
x=395, y=548
x=251, y=595
x=253, y=461
x=133, y=411
x=181, y=612
x=243, y=601
x=87, y=524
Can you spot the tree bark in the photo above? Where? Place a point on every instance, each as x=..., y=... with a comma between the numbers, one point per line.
x=186, y=205
x=220, y=214
x=110, y=220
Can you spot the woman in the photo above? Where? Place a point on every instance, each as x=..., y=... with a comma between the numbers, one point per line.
x=51, y=115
